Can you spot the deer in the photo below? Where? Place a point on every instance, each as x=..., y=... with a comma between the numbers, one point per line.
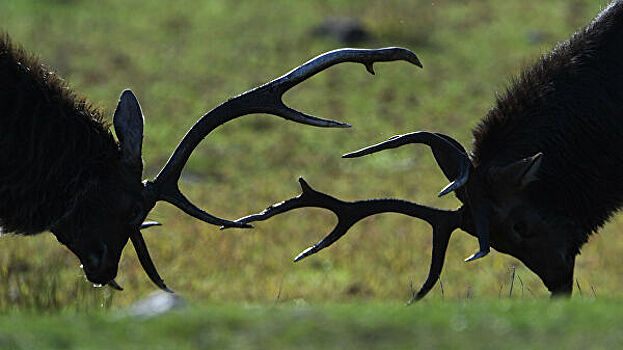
x=544, y=172
x=63, y=171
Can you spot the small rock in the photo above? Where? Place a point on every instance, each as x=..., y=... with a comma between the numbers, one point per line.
x=155, y=304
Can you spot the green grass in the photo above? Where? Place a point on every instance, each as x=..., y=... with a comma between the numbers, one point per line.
x=483, y=324
x=183, y=58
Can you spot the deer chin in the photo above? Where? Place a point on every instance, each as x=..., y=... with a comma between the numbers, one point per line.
x=556, y=274
x=99, y=276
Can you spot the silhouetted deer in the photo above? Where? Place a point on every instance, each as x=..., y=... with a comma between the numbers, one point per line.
x=545, y=170
x=62, y=170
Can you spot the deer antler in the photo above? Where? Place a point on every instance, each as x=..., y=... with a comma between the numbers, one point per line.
x=263, y=99
x=453, y=160
x=443, y=222
x=456, y=166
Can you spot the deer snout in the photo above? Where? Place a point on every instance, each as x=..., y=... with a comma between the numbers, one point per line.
x=99, y=266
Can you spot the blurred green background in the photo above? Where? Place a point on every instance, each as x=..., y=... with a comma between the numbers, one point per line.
x=182, y=58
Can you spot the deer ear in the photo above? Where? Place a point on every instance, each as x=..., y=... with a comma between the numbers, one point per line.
x=128, y=121
x=517, y=174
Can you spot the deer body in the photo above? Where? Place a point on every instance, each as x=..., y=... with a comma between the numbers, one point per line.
x=569, y=106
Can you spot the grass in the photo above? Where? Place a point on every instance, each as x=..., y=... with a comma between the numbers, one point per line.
x=501, y=324
x=184, y=58
x=483, y=324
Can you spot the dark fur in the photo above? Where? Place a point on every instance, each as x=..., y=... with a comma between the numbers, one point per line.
x=55, y=150
x=569, y=106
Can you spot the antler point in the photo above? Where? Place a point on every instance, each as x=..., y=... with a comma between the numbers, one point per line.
x=304, y=185
x=476, y=256
x=305, y=253
x=370, y=67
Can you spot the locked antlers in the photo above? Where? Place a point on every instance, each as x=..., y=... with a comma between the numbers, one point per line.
x=263, y=99
x=443, y=222
x=456, y=166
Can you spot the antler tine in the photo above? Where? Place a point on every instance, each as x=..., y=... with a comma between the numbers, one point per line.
x=311, y=198
x=114, y=285
x=170, y=192
x=443, y=222
x=144, y=258
x=263, y=99
x=450, y=155
x=148, y=224
x=328, y=59
x=441, y=238
x=308, y=198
